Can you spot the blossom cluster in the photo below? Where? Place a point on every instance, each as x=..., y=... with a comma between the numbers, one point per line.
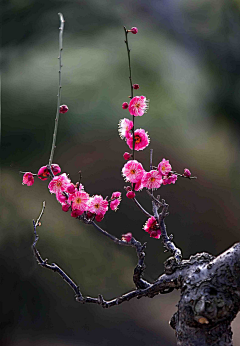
x=137, y=107
x=72, y=196
x=134, y=173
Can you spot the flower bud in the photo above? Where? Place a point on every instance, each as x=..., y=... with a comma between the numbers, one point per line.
x=126, y=156
x=187, y=173
x=63, y=109
x=130, y=194
x=134, y=30
x=125, y=105
x=135, y=86
x=28, y=179
x=127, y=237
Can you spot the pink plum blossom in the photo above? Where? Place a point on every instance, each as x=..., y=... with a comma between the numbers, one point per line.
x=164, y=167
x=152, y=179
x=138, y=106
x=138, y=185
x=65, y=207
x=79, y=201
x=97, y=205
x=63, y=109
x=126, y=156
x=141, y=140
x=124, y=126
x=76, y=212
x=133, y=171
x=44, y=173
x=58, y=184
x=152, y=228
x=62, y=198
x=131, y=194
x=127, y=237
x=125, y=105
x=171, y=179
x=99, y=217
x=28, y=179
x=134, y=30
x=187, y=173
x=71, y=188
x=115, y=200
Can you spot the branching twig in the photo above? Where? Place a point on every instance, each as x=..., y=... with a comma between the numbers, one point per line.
x=59, y=88
x=165, y=284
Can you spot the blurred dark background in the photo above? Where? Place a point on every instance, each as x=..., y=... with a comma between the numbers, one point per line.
x=186, y=58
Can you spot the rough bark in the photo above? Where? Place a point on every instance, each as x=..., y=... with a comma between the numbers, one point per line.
x=210, y=298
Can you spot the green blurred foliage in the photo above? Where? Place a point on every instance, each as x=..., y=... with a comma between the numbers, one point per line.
x=186, y=60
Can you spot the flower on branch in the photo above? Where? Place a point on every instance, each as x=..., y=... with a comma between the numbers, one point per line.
x=141, y=140
x=79, y=201
x=164, y=167
x=127, y=237
x=134, y=30
x=152, y=228
x=97, y=205
x=124, y=126
x=130, y=194
x=171, y=179
x=187, y=173
x=125, y=105
x=115, y=200
x=126, y=156
x=138, y=106
x=62, y=198
x=28, y=179
x=152, y=180
x=44, y=173
x=63, y=109
x=135, y=86
x=58, y=184
x=133, y=171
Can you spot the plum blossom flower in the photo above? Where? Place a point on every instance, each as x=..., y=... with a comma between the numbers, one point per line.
x=71, y=188
x=187, y=173
x=124, y=126
x=138, y=185
x=44, y=173
x=79, y=201
x=65, y=207
x=133, y=171
x=63, y=109
x=152, y=179
x=76, y=212
x=97, y=205
x=62, y=198
x=127, y=237
x=126, y=156
x=99, y=217
x=28, y=179
x=138, y=106
x=130, y=194
x=58, y=184
x=125, y=105
x=141, y=140
x=171, y=179
x=134, y=30
x=164, y=167
x=152, y=228
x=115, y=200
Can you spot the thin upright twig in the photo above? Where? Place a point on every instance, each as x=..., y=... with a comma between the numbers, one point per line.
x=131, y=85
x=59, y=87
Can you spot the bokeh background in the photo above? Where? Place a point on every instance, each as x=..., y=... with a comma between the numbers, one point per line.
x=186, y=58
